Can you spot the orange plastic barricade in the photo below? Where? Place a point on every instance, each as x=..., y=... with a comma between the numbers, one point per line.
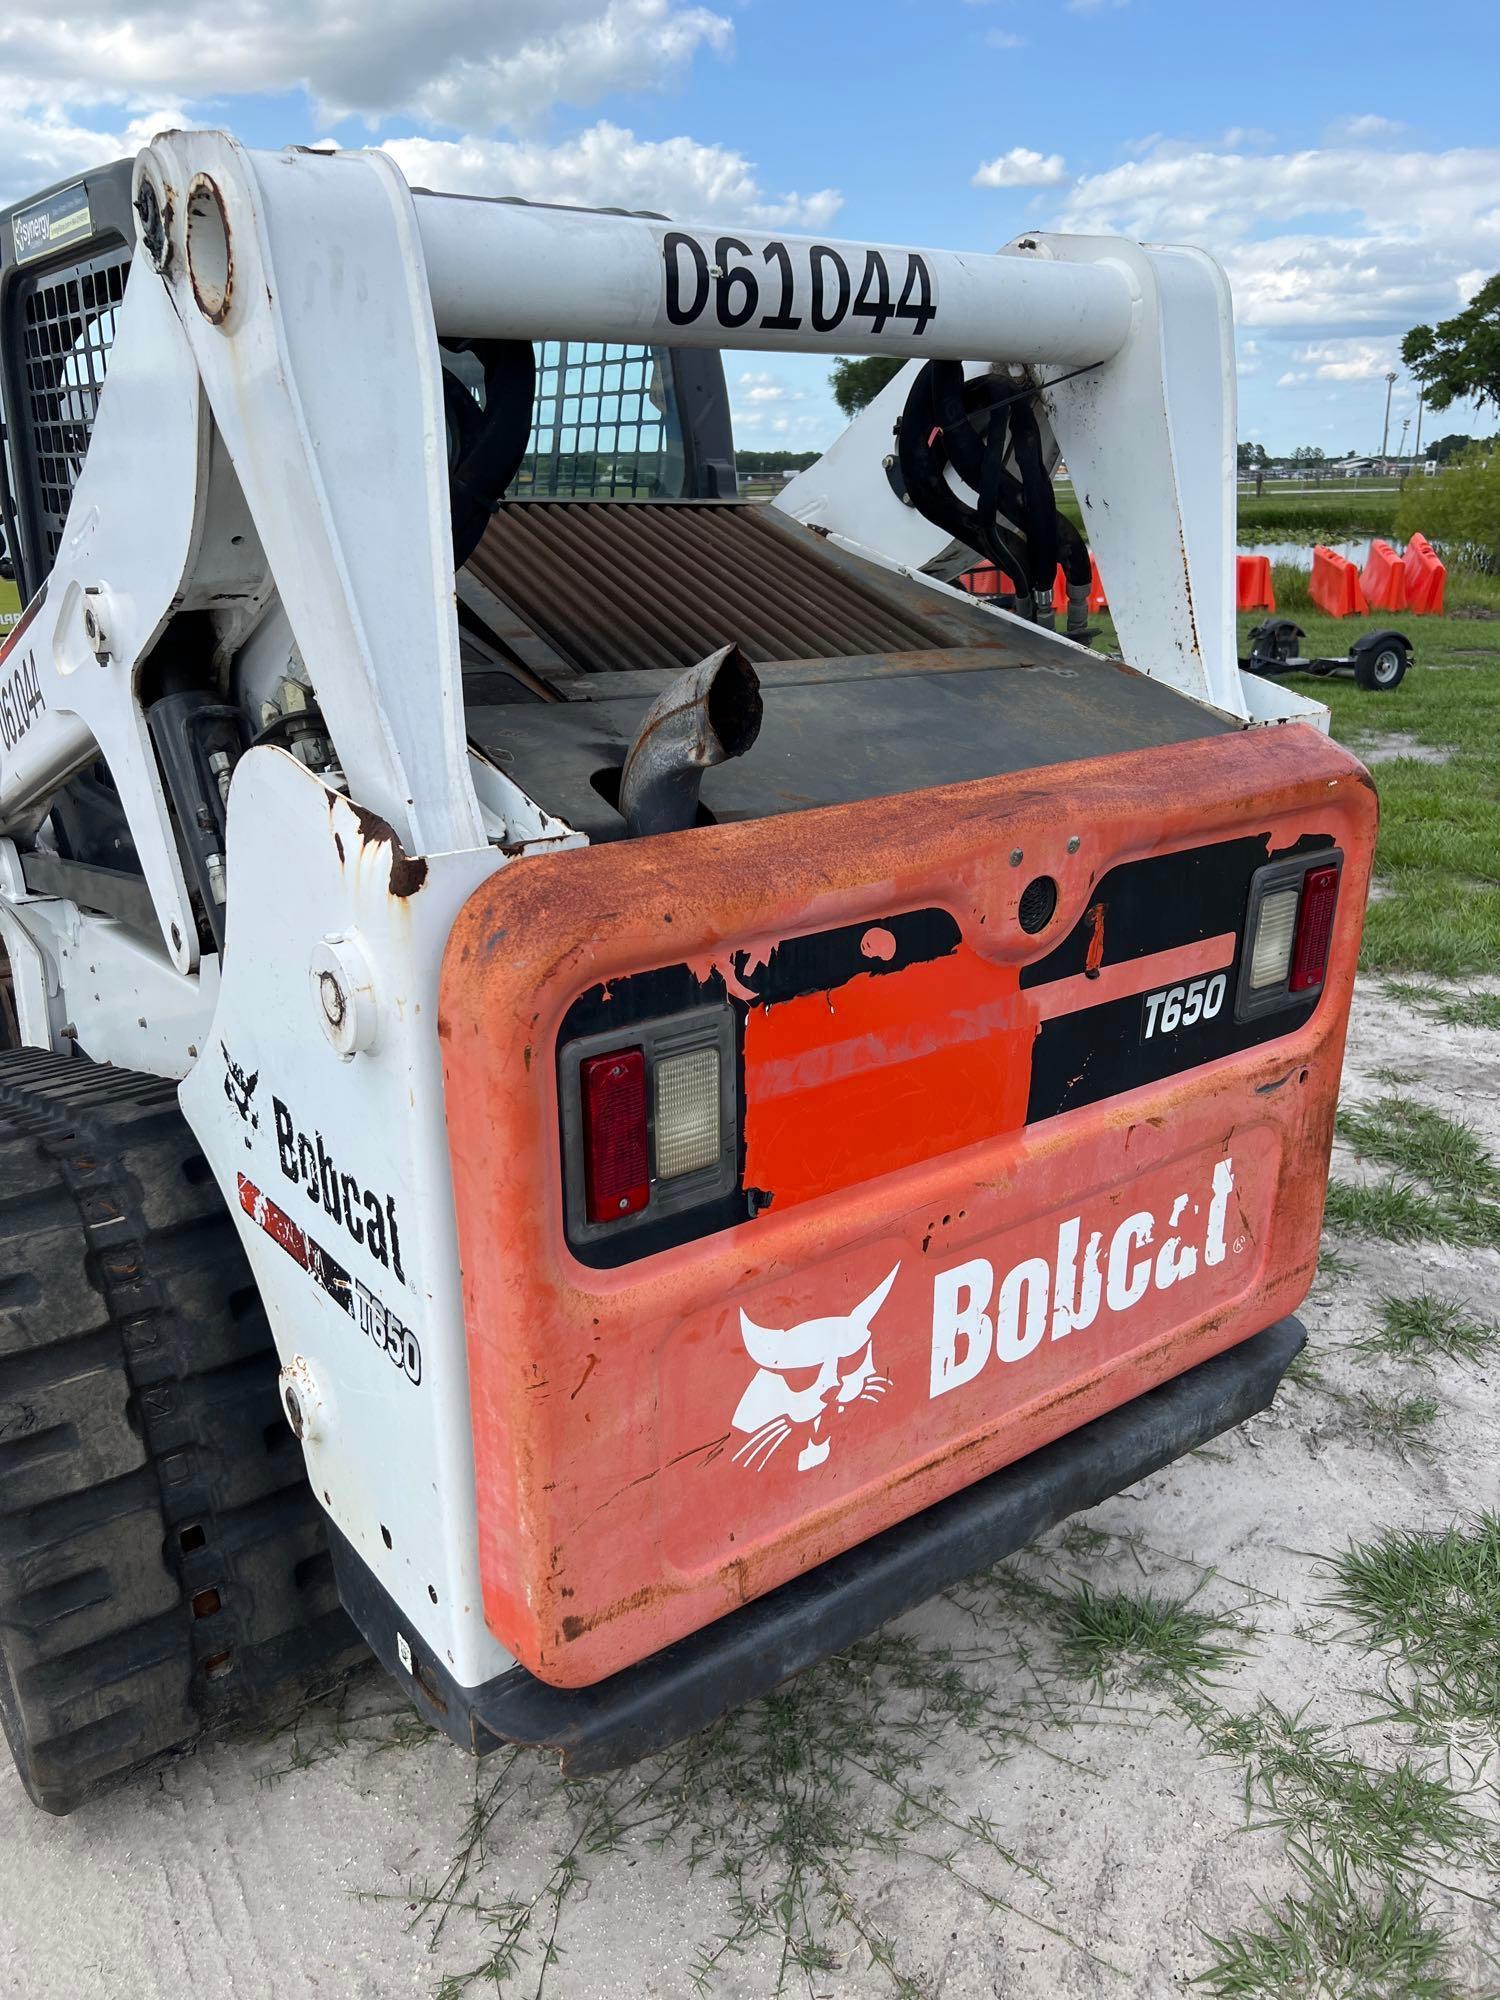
x=1334, y=584
x=1383, y=579
x=1425, y=575
x=1097, y=599
x=987, y=581
x=1254, y=591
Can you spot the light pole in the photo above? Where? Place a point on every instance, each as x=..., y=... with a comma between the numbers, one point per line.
x=1390, y=383
x=1401, y=453
x=1416, y=450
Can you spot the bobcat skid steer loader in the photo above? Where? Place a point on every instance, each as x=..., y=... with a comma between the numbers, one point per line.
x=614, y=1086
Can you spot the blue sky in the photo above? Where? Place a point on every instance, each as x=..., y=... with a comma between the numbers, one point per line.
x=1344, y=164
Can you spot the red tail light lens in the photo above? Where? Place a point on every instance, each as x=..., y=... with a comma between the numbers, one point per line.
x=616, y=1160
x=1320, y=893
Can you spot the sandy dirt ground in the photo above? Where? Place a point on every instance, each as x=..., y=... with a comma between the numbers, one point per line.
x=1042, y=1834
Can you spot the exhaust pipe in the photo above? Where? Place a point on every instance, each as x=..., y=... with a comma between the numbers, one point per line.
x=706, y=716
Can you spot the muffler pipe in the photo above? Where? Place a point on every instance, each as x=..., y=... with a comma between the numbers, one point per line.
x=704, y=717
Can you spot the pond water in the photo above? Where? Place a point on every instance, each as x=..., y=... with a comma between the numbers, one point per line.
x=1300, y=553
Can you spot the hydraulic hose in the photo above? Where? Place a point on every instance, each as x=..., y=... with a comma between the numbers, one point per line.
x=486, y=447
x=988, y=434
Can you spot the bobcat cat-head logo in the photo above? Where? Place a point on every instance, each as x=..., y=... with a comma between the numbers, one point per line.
x=240, y=1089
x=805, y=1376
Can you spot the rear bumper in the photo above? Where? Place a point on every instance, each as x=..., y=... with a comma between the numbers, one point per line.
x=681, y=1689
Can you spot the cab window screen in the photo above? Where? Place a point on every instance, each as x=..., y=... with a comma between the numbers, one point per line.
x=67, y=330
x=605, y=425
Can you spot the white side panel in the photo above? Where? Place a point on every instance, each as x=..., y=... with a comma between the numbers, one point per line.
x=1273, y=701
x=354, y=1153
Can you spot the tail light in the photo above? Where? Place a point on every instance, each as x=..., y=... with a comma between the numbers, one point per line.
x=1288, y=932
x=650, y=1126
x=1320, y=892
x=616, y=1150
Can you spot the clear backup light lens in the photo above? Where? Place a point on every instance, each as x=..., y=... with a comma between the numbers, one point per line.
x=1276, y=925
x=687, y=1112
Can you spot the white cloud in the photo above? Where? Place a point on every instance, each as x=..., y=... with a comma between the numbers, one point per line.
x=1351, y=360
x=43, y=142
x=1249, y=359
x=1292, y=379
x=758, y=394
x=440, y=60
x=1021, y=167
x=607, y=165
x=1368, y=125
x=1388, y=239
x=761, y=426
x=1002, y=38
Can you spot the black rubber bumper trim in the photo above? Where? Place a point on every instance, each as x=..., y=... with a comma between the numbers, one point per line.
x=750, y=1651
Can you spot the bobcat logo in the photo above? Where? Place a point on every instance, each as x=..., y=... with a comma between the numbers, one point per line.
x=837, y=1353
x=239, y=1089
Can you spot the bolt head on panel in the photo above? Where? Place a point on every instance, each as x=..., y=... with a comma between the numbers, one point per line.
x=343, y=988
x=302, y=1402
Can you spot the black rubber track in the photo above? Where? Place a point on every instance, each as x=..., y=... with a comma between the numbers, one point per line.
x=163, y=1566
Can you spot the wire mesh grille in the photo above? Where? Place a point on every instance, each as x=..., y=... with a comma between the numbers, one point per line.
x=662, y=587
x=604, y=426
x=68, y=328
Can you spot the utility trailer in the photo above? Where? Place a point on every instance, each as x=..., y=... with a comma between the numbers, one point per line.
x=1377, y=661
x=613, y=1086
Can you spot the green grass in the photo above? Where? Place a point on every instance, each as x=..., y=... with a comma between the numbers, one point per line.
x=1391, y=1074
x=1335, y=1943
x=1456, y=1010
x=1383, y=1822
x=1445, y=1152
x=1289, y=586
x=1471, y=1010
x=1328, y=515
x=1400, y=1423
x=1426, y=1329
x=1444, y=1187
x=1392, y=1209
x=793, y=1806
x=1305, y=1371
x=1142, y=1639
x=1434, y=1600
x=1438, y=856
